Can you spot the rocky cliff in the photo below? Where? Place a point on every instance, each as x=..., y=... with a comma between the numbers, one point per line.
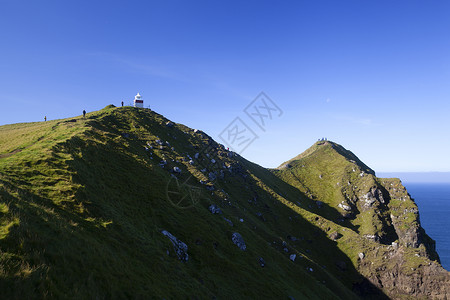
x=398, y=256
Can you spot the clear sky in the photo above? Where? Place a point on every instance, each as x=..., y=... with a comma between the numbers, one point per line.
x=373, y=76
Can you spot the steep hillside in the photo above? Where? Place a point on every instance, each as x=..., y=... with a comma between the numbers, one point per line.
x=127, y=204
x=392, y=249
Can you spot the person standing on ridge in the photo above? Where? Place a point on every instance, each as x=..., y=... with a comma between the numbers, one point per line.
x=45, y=118
x=122, y=103
x=84, y=113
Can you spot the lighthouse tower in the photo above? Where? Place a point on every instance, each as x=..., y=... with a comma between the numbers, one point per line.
x=138, y=102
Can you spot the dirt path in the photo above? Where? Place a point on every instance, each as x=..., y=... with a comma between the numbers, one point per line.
x=5, y=155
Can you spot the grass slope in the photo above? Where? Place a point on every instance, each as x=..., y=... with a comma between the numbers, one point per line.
x=83, y=203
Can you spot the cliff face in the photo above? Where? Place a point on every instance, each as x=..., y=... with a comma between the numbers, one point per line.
x=411, y=265
x=127, y=204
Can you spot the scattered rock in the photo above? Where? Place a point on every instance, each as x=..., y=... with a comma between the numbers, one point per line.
x=169, y=124
x=180, y=247
x=196, y=155
x=262, y=263
x=394, y=245
x=212, y=176
x=241, y=220
x=238, y=241
x=361, y=255
x=373, y=237
x=215, y=209
x=176, y=170
x=335, y=236
x=228, y=221
x=292, y=257
x=292, y=238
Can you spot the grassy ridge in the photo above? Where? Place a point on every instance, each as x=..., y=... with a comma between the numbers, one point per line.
x=83, y=205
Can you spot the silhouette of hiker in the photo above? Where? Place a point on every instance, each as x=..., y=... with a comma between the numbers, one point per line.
x=84, y=113
x=45, y=118
x=122, y=103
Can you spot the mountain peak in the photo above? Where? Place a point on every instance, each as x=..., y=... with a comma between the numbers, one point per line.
x=326, y=150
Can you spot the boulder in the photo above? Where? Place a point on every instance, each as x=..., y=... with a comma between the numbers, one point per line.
x=180, y=247
x=215, y=209
x=237, y=239
x=176, y=170
x=292, y=257
x=344, y=206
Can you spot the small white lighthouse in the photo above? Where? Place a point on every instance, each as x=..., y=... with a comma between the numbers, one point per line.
x=138, y=102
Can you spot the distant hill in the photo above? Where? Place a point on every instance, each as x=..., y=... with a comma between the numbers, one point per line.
x=127, y=204
x=423, y=177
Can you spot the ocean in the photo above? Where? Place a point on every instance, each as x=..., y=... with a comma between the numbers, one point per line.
x=433, y=200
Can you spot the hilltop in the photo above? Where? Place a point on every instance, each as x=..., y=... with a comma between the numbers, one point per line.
x=127, y=204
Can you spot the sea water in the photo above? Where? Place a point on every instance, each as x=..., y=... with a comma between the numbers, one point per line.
x=433, y=200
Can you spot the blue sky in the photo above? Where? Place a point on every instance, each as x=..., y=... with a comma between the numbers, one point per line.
x=371, y=75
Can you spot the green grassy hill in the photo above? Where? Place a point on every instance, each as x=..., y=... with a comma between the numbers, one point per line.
x=86, y=204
